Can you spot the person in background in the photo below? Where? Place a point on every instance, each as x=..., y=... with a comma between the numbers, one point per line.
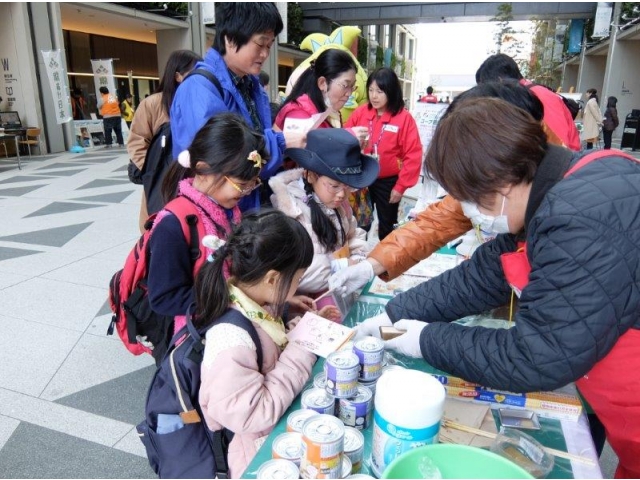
x=577, y=275
x=77, y=104
x=429, y=97
x=558, y=122
x=110, y=110
x=316, y=195
x=610, y=122
x=264, y=81
x=126, y=107
x=153, y=112
x=591, y=119
x=245, y=32
x=221, y=166
x=393, y=140
x=265, y=256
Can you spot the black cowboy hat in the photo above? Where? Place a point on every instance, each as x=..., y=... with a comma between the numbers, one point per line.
x=335, y=153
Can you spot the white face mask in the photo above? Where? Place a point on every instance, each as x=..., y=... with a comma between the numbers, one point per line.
x=487, y=223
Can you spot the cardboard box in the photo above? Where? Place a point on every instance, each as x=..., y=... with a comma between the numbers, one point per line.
x=562, y=404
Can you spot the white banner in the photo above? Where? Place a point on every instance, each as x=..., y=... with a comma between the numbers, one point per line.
x=603, y=20
x=58, y=83
x=103, y=76
x=208, y=12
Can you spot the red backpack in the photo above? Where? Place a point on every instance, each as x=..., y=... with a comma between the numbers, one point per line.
x=140, y=328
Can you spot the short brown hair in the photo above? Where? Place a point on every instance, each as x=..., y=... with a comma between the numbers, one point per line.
x=483, y=145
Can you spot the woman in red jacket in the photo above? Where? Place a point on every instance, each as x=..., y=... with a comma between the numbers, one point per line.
x=393, y=140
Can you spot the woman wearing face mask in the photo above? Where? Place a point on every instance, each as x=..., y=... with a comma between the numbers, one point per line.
x=577, y=275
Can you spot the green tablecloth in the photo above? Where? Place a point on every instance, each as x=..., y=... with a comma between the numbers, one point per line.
x=550, y=434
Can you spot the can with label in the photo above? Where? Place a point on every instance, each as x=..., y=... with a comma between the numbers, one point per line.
x=287, y=446
x=322, y=446
x=370, y=353
x=296, y=419
x=370, y=385
x=342, y=369
x=318, y=400
x=356, y=411
x=278, y=468
x=354, y=447
x=320, y=380
x=345, y=467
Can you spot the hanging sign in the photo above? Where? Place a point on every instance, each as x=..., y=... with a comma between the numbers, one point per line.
x=58, y=84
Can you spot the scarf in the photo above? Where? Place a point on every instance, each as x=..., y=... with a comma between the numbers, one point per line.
x=273, y=326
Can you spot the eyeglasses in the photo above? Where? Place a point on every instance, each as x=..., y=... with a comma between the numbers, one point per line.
x=348, y=88
x=336, y=189
x=266, y=46
x=244, y=190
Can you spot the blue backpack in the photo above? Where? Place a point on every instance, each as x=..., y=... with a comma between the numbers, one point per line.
x=178, y=442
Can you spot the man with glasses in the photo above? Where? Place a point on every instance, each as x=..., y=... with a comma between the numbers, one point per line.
x=245, y=33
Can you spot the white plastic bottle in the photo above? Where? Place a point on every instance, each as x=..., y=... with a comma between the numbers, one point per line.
x=408, y=409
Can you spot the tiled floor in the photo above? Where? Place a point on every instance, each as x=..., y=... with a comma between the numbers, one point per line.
x=70, y=396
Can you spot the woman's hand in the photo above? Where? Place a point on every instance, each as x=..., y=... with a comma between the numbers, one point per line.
x=395, y=197
x=295, y=139
x=362, y=134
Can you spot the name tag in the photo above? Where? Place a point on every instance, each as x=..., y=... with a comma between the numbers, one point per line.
x=391, y=128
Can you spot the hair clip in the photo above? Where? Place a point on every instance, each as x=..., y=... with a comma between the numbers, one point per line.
x=212, y=242
x=312, y=64
x=184, y=159
x=210, y=258
x=256, y=158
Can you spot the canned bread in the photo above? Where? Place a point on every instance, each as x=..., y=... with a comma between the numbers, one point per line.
x=296, y=419
x=370, y=353
x=342, y=369
x=356, y=411
x=354, y=447
x=345, y=467
x=370, y=385
x=322, y=446
x=278, y=468
x=287, y=446
x=320, y=380
x=318, y=400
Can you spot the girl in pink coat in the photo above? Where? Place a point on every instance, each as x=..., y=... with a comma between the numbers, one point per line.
x=266, y=256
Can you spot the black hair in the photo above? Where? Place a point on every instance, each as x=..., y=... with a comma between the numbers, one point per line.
x=388, y=82
x=262, y=241
x=321, y=224
x=224, y=144
x=104, y=90
x=239, y=21
x=429, y=90
x=498, y=67
x=182, y=62
x=593, y=93
x=612, y=102
x=330, y=64
x=264, y=78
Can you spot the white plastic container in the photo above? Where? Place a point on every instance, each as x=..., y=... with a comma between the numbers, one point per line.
x=408, y=409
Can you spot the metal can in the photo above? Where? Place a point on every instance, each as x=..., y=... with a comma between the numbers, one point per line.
x=278, y=468
x=287, y=446
x=322, y=446
x=296, y=419
x=390, y=368
x=354, y=448
x=356, y=411
x=346, y=467
x=370, y=385
x=318, y=400
x=342, y=369
x=370, y=353
x=320, y=380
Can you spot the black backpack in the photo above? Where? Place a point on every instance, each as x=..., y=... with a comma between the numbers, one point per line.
x=159, y=156
x=187, y=448
x=573, y=106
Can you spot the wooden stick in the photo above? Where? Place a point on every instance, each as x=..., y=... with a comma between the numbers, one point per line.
x=325, y=294
x=482, y=433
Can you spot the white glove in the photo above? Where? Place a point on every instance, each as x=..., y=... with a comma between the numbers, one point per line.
x=371, y=326
x=339, y=264
x=350, y=279
x=409, y=343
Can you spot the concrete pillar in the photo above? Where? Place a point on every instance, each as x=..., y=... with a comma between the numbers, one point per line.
x=623, y=79
x=197, y=30
x=169, y=41
x=271, y=67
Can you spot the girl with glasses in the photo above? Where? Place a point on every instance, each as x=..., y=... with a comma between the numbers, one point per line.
x=220, y=168
x=317, y=196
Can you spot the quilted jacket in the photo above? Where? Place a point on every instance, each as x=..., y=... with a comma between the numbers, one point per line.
x=583, y=244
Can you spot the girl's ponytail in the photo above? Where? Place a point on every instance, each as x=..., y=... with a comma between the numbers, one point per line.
x=212, y=292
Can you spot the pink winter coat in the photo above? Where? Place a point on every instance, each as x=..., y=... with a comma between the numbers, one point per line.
x=235, y=395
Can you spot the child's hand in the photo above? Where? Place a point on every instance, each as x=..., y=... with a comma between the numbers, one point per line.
x=302, y=302
x=330, y=312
